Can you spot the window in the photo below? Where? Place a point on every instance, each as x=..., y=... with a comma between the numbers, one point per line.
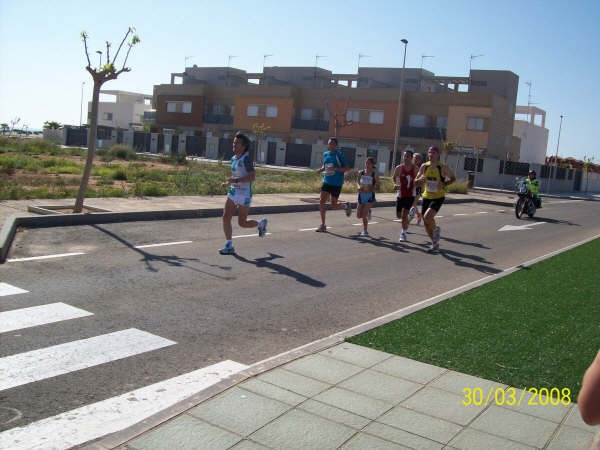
x=416, y=120
x=271, y=111
x=376, y=117
x=475, y=123
x=326, y=115
x=441, y=122
x=353, y=115
x=178, y=107
x=217, y=109
x=506, y=141
x=171, y=107
x=107, y=116
x=298, y=141
x=306, y=114
x=187, y=107
x=252, y=110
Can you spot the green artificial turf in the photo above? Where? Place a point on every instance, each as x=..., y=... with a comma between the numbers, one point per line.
x=538, y=327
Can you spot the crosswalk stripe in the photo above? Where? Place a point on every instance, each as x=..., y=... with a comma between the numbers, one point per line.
x=34, y=316
x=90, y=422
x=24, y=368
x=9, y=289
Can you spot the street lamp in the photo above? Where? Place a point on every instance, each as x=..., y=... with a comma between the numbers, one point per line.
x=81, y=105
x=471, y=58
x=556, y=157
x=405, y=42
x=99, y=59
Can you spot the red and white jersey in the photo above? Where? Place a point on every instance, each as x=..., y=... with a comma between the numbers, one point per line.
x=407, y=181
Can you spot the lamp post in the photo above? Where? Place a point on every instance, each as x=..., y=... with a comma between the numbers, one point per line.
x=99, y=59
x=556, y=157
x=471, y=58
x=405, y=42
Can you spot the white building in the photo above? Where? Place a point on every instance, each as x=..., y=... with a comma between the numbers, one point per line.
x=534, y=137
x=126, y=111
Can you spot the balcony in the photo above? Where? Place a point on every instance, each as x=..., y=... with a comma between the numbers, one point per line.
x=312, y=124
x=218, y=118
x=424, y=132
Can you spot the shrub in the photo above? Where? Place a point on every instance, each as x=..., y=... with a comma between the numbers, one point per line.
x=153, y=190
x=120, y=174
x=122, y=152
x=458, y=187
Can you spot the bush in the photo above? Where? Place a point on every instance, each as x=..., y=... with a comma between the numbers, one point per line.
x=122, y=152
x=153, y=190
x=458, y=187
x=120, y=174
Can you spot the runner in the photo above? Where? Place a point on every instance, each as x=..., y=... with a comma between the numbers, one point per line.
x=404, y=182
x=334, y=165
x=240, y=193
x=434, y=175
x=368, y=183
x=418, y=162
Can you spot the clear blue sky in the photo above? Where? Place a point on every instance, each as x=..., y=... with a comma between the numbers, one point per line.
x=553, y=44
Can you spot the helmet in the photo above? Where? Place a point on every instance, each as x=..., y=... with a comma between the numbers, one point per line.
x=532, y=172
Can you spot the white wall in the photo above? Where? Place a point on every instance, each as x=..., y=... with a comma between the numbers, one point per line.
x=534, y=141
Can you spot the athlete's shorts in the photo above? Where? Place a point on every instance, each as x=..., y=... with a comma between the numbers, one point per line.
x=366, y=197
x=240, y=198
x=333, y=190
x=433, y=203
x=404, y=203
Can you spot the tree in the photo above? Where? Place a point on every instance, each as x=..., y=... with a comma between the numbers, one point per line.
x=588, y=162
x=4, y=127
x=52, y=125
x=259, y=130
x=100, y=76
x=13, y=123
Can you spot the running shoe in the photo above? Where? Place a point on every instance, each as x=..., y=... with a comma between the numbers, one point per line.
x=436, y=236
x=434, y=248
x=321, y=229
x=364, y=234
x=227, y=250
x=369, y=215
x=411, y=213
x=262, y=227
x=348, y=209
x=403, y=236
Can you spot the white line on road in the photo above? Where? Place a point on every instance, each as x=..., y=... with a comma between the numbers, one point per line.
x=551, y=202
x=501, y=210
x=34, y=316
x=370, y=223
x=482, y=212
x=248, y=235
x=32, y=258
x=163, y=244
x=8, y=289
x=90, y=422
x=461, y=214
x=23, y=368
x=311, y=229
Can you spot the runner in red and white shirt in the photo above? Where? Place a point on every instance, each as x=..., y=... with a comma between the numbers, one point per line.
x=404, y=182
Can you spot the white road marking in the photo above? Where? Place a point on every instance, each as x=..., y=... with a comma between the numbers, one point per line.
x=8, y=289
x=33, y=258
x=248, y=235
x=482, y=212
x=90, y=422
x=163, y=244
x=370, y=223
x=501, y=210
x=311, y=229
x=552, y=202
x=461, y=214
x=24, y=368
x=34, y=316
x=439, y=217
x=520, y=227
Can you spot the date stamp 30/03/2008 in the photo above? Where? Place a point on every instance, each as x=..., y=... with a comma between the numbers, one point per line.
x=510, y=396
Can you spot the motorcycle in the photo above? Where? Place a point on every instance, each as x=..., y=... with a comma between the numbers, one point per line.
x=525, y=203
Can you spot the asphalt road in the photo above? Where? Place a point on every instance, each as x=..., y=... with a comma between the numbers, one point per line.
x=277, y=293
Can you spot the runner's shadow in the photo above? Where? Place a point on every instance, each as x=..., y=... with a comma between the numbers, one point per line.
x=459, y=259
x=174, y=261
x=278, y=268
x=554, y=221
x=472, y=244
x=380, y=241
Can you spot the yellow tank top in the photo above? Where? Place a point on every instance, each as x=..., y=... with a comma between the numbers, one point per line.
x=431, y=190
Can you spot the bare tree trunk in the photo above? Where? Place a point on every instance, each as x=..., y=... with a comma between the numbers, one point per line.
x=91, y=149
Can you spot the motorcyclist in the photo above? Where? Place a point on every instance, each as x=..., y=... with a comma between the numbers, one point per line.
x=533, y=185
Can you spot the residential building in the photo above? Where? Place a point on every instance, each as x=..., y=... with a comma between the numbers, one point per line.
x=127, y=109
x=307, y=104
x=534, y=137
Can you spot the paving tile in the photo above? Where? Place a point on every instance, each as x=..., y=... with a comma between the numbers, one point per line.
x=300, y=430
x=184, y=433
x=322, y=368
x=420, y=424
x=402, y=437
x=456, y=382
x=248, y=445
x=409, y=369
x=365, y=441
x=381, y=386
x=353, y=402
x=470, y=439
x=272, y=391
x=574, y=420
x=554, y=413
x=294, y=382
x=356, y=354
x=240, y=411
x=515, y=426
x=444, y=405
x=335, y=414
x=570, y=438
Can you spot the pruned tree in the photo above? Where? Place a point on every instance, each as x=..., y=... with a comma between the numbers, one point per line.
x=100, y=76
x=13, y=123
x=588, y=163
x=259, y=130
x=52, y=125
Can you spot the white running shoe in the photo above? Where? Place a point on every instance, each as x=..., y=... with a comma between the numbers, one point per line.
x=262, y=227
x=364, y=234
x=348, y=209
x=436, y=236
x=411, y=213
x=419, y=220
x=403, y=236
x=321, y=229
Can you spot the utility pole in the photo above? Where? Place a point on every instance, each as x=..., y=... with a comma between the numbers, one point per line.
x=396, y=133
x=556, y=157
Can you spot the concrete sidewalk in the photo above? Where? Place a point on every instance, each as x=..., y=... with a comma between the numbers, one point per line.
x=353, y=397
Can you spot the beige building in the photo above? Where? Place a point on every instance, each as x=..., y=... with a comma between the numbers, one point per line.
x=308, y=104
x=125, y=111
